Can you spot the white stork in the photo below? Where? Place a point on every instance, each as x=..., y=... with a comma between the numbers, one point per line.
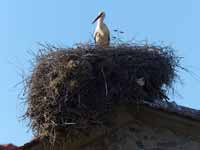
x=101, y=34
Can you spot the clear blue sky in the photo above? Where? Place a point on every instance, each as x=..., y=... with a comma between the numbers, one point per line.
x=62, y=22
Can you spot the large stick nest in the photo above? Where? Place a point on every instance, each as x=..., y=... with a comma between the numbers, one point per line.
x=70, y=89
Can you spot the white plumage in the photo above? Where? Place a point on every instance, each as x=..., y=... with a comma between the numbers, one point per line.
x=101, y=34
x=140, y=81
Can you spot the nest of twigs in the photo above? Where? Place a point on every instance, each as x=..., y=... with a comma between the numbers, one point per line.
x=71, y=88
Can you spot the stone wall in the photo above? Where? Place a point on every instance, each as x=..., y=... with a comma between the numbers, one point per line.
x=137, y=136
x=140, y=128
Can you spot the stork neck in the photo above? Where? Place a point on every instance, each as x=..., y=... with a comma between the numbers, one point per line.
x=100, y=21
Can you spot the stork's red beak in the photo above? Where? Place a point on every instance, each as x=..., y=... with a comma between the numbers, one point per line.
x=97, y=18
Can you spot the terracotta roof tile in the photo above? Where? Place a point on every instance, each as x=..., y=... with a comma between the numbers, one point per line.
x=8, y=147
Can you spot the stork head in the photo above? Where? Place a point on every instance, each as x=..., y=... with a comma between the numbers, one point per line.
x=101, y=16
